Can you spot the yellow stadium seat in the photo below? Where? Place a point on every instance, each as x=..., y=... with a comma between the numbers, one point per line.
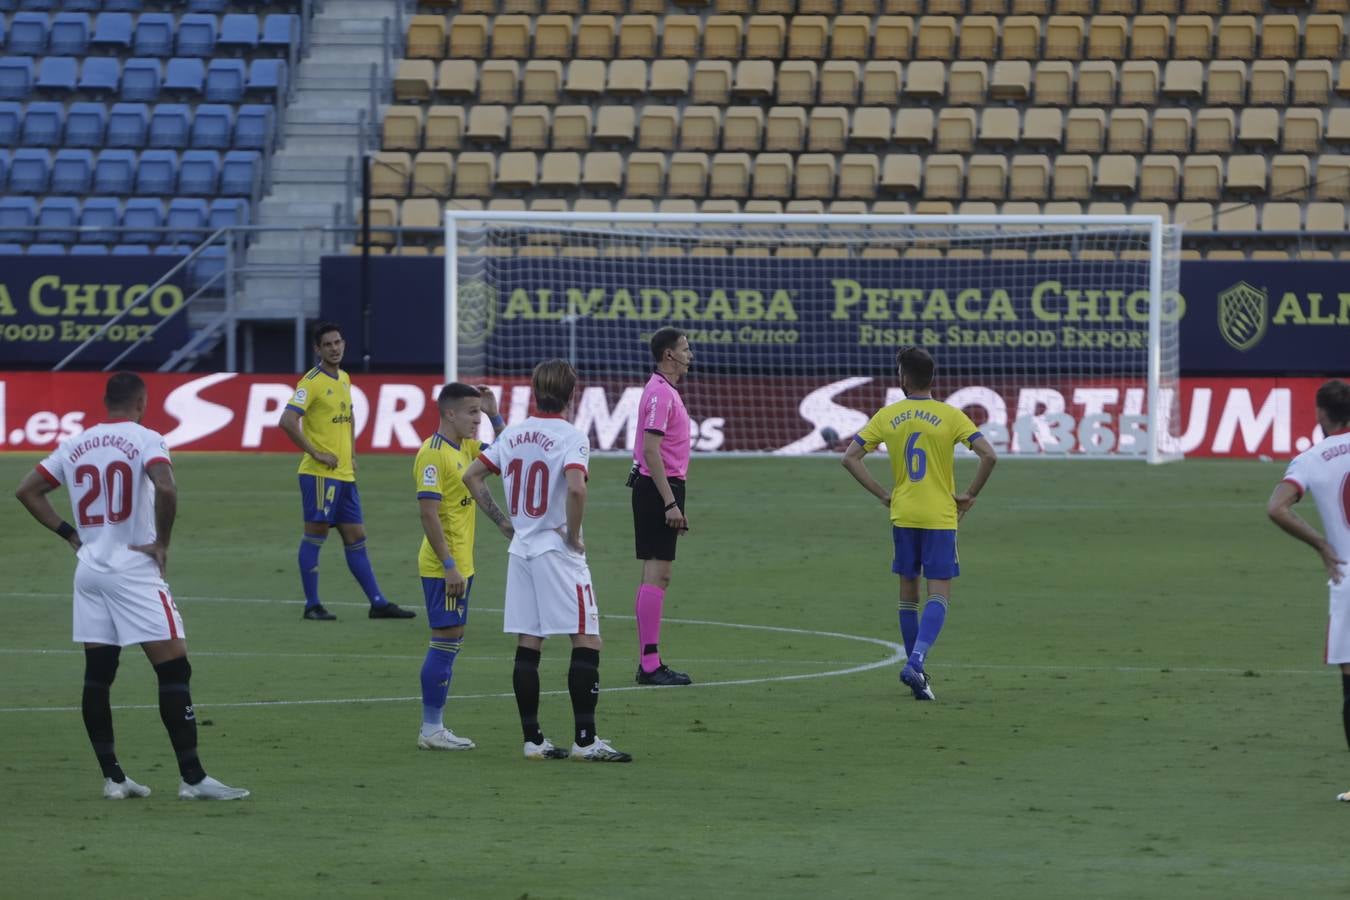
x=1054, y=83
x=627, y=78
x=729, y=176
x=839, y=81
x=680, y=37
x=561, y=171
x=498, y=81
x=827, y=131
x=487, y=124
x=1184, y=80
x=688, y=175
x=881, y=82
x=1171, y=131
x=808, y=37
x=1226, y=83
x=389, y=173
x=1000, y=126
x=517, y=170
x=413, y=78
x=1259, y=127
x=595, y=37
x=1235, y=217
x=901, y=173
x=915, y=125
x=572, y=127
x=1064, y=37
x=1117, y=173
x=701, y=128
x=722, y=37
x=1106, y=37
x=646, y=173
x=1282, y=217
x=511, y=36
x=796, y=82
x=1215, y=130
x=944, y=177
x=541, y=82
x=754, y=80
x=1150, y=37
x=585, y=79
x=1269, y=83
x=1160, y=177
x=1194, y=38
x=743, y=129
x=1290, y=174
x=670, y=78
x=1237, y=37
x=858, y=175
x=1312, y=82
x=968, y=81
x=979, y=37
x=892, y=37
x=638, y=37
x=426, y=37
x=850, y=37
x=1043, y=127
x=1021, y=37
x=529, y=127
x=987, y=177
x=772, y=176
x=1280, y=37
x=1139, y=82
x=765, y=37
x=1324, y=216
x=613, y=125
x=552, y=38
x=872, y=125
x=1202, y=177
x=658, y=127
x=1324, y=36
x=444, y=128
x=1096, y=83
x=1029, y=177
x=1073, y=177
x=936, y=38
x=785, y=129
x=1127, y=131
x=603, y=170
x=925, y=80
x=815, y=175
x=475, y=174
x=402, y=129
x=1085, y=131
x=955, y=130
x=711, y=82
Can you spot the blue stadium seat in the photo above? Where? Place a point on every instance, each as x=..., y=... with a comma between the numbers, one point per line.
x=112, y=32
x=216, y=7
x=88, y=250
x=27, y=34
x=172, y=250
x=225, y=81
x=185, y=76
x=57, y=73
x=211, y=128
x=267, y=76
x=100, y=212
x=154, y=35
x=100, y=75
x=85, y=124
x=141, y=80
x=142, y=212
x=16, y=77
x=196, y=35
x=10, y=249
x=169, y=124
x=199, y=173
x=123, y=5
x=17, y=213
x=11, y=115
x=47, y=249
x=40, y=5
x=4, y=167
x=253, y=127
x=43, y=124
x=72, y=171
x=70, y=34
x=3, y=8
x=127, y=124
x=239, y=171
x=30, y=171
x=157, y=172
x=227, y=213
x=280, y=31
x=188, y=215
x=82, y=5
x=61, y=214
x=114, y=172
x=238, y=31
x=208, y=264
x=131, y=250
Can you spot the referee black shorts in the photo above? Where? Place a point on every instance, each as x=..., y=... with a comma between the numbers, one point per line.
x=654, y=539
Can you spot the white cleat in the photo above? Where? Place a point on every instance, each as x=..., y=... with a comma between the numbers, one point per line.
x=125, y=790
x=599, y=751
x=209, y=789
x=1344, y=798
x=546, y=750
x=445, y=739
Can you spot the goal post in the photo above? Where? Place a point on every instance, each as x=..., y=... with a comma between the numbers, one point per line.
x=1058, y=334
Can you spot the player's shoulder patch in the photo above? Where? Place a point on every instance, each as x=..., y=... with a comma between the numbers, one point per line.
x=301, y=395
x=431, y=475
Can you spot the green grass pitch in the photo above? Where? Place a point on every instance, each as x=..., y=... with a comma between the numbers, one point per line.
x=1131, y=704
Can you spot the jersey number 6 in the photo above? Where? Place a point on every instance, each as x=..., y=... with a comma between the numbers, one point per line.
x=916, y=461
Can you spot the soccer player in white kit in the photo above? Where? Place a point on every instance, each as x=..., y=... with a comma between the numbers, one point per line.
x=123, y=495
x=1323, y=471
x=544, y=463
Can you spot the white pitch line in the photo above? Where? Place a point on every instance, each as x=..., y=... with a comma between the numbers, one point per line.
x=58, y=651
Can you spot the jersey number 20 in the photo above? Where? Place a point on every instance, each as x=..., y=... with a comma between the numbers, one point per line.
x=115, y=482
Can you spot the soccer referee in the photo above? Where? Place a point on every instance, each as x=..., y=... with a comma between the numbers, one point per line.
x=660, y=464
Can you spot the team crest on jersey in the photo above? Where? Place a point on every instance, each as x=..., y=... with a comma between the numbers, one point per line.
x=429, y=476
x=1242, y=316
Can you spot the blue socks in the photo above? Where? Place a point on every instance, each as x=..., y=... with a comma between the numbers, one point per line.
x=310, y=545
x=359, y=564
x=909, y=623
x=934, y=614
x=437, y=670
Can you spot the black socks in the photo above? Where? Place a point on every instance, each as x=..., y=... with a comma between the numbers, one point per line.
x=175, y=710
x=100, y=668
x=583, y=683
x=525, y=682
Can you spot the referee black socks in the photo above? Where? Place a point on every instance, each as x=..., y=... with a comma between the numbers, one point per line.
x=583, y=683
x=100, y=668
x=175, y=711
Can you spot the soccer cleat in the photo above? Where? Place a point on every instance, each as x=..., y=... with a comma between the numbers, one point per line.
x=209, y=789
x=318, y=613
x=546, y=750
x=663, y=676
x=445, y=739
x=391, y=611
x=599, y=751
x=920, y=693
x=913, y=677
x=124, y=790
x=1344, y=798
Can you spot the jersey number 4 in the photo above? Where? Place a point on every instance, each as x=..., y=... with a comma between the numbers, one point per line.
x=114, y=483
x=535, y=487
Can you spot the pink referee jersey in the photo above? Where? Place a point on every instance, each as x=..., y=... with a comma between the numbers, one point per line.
x=662, y=411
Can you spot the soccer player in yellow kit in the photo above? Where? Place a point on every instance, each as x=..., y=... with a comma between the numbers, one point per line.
x=319, y=419
x=921, y=435
x=445, y=562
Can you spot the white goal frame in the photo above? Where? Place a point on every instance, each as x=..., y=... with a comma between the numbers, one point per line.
x=1160, y=448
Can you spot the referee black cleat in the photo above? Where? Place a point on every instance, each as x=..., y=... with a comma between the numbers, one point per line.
x=663, y=676
x=391, y=611
x=318, y=613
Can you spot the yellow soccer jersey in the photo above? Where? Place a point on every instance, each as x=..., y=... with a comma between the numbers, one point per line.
x=921, y=437
x=439, y=473
x=325, y=406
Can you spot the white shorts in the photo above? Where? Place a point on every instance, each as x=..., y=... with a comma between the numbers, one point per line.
x=550, y=594
x=113, y=609
x=1338, y=625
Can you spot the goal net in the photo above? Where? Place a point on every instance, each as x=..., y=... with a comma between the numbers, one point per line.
x=1058, y=335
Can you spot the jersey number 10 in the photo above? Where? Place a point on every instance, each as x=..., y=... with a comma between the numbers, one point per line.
x=535, y=487
x=116, y=482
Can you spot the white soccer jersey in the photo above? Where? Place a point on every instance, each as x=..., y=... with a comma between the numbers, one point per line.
x=111, y=495
x=533, y=458
x=1324, y=471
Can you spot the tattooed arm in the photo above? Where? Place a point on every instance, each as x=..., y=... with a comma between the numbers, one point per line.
x=474, y=480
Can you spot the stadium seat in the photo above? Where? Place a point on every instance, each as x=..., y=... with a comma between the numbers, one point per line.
x=500, y=80
x=72, y=171
x=58, y=216
x=199, y=173
x=1127, y=131
x=615, y=125
x=115, y=172
x=1246, y=175
x=444, y=128
x=153, y=35
x=127, y=125
x=627, y=79
x=280, y=31
x=207, y=268
x=1160, y=177
x=968, y=81
x=17, y=214
x=1215, y=130
x=156, y=173
x=239, y=173
x=432, y=174
x=638, y=36
x=27, y=34
x=1171, y=132
x=1312, y=82
x=211, y=127
x=87, y=249
x=269, y=76
x=1202, y=177
x=1183, y=80
x=657, y=127
x=140, y=80
x=881, y=81
x=1043, y=127
x=669, y=78
x=142, y=212
x=188, y=217
x=169, y=125
x=171, y=250
x=29, y=171
x=225, y=80
x=227, y=213
x=43, y=124
x=1053, y=83
x=711, y=82
x=253, y=127
x=112, y=32
x=56, y=74
x=11, y=119
x=49, y=249
x=238, y=31
x=99, y=75
x=130, y=249
x=185, y=76
x=560, y=171
x=402, y=128
x=70, y=34
x=915, y=126
x=196, y=35
x=214, y=7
